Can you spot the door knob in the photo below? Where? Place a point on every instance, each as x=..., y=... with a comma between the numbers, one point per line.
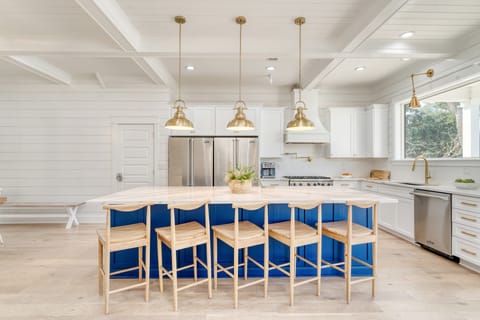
x=119, y=177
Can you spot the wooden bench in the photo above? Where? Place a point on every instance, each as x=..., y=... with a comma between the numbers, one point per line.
x=70, y=207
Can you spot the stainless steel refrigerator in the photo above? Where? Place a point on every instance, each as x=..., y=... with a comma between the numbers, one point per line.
x=203, y=161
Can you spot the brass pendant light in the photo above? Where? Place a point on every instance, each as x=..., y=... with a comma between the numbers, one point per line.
x=179, y=120
x=414, y=103
x=240, y=121
x=300, y=122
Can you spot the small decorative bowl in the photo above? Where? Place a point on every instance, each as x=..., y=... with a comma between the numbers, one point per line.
x=468, y=186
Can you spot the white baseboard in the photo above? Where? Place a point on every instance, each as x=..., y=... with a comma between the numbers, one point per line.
x=38, y=218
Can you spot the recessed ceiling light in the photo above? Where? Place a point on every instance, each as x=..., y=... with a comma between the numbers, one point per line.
x=270, y=68
x=360, y=68
x=407, y=34
x=406, y=59
x=190, y=68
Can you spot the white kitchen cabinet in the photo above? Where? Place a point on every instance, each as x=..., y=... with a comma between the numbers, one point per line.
x=347, y=133
x=376, y=123
x=359, y=132
x=405, y=221
x=223, y=115
x=466, y=229
x=271, y=132
x=203, y=119
x=351, y=184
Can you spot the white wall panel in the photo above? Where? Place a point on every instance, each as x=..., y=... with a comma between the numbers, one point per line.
x=57, y=147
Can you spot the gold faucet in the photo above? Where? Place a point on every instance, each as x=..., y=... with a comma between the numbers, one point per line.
x=427, y=173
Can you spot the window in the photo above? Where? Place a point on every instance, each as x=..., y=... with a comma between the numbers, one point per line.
x=445, y=126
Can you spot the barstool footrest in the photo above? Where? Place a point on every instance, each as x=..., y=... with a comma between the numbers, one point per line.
x=193, y=284
x=333, y=265
x=251, y=283
x=362, y=262
x=306, y=261
x=279, y=267
x=124, y=270
x=305, y=281
x=364, y=279
x=144, y=283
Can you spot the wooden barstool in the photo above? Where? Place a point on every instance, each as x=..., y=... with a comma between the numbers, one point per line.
x=351, y=234
x=186, y=235
x=241, y=235
x=294, y=234
x=113, y=239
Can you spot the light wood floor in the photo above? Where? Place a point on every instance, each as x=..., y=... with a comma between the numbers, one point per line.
x=47, y=272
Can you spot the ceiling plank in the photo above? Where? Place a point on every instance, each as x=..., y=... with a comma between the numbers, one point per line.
x=361, y=31
x=113, y=20
x=41, y=68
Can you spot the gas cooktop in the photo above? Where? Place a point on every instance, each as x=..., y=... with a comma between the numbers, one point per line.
x=307, y=177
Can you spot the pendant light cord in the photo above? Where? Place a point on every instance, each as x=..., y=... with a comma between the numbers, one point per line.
x=240, y=67
x=179, y=61
x=300, y=61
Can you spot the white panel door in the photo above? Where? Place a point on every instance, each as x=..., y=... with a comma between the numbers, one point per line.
x=133, y=156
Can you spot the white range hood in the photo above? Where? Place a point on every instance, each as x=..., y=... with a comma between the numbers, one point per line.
x=317, y=135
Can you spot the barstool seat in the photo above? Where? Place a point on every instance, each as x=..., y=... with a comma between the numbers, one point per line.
x=302, y=230
x=131, y=232
x=246, y=231
x=341, y=228
x=186, y=234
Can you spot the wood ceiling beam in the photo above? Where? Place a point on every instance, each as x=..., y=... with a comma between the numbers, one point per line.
x=113, y=20
x=41, y=68
x=357, y=34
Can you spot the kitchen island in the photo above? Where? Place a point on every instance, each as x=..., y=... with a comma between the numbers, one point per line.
x=333, y=209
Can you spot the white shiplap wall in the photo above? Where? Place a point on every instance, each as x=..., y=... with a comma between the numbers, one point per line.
x=56, y=146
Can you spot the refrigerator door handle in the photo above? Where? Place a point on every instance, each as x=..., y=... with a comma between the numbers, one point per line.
x=190, y=164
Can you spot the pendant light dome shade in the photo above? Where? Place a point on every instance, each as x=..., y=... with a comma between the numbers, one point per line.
x=179, y=120
x=240, y=121
x=300, y=122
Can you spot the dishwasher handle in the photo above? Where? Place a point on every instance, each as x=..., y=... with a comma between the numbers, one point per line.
x=429, y=195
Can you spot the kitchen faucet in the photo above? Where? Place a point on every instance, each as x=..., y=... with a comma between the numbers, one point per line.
x=427, y=173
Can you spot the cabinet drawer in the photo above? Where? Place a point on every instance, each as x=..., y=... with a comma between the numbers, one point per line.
x=465, y=250
x=346, y=184
x=369, y=186
x=398, y=192
x=466, y=203
x=466, y=233
x=467, y=218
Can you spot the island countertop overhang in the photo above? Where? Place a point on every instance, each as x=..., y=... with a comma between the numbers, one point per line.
x=219, y=195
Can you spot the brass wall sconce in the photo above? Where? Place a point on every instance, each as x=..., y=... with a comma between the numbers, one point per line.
x=414, y=103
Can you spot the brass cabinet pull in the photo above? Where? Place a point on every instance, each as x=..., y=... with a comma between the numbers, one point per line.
x=468, y=219
x=469, y=252
x=469, y=204
x=473, y=235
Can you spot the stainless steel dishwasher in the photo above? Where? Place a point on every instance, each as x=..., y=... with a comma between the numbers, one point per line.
x=433, y=220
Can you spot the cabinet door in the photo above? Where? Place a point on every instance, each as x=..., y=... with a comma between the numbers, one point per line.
x=379, y=131
x=405, y=219
x=358, y=134
x=271, y=133
x=386, y=215
x=340, y=133
x=224, y=115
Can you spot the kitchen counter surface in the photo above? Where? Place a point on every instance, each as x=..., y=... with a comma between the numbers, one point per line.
x=161, y=195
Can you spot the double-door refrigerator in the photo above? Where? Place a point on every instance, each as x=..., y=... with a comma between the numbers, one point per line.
x=203, y=161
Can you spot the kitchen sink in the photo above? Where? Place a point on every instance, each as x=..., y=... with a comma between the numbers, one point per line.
x=412, y=183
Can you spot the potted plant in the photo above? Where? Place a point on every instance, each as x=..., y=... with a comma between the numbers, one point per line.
x=240, y=179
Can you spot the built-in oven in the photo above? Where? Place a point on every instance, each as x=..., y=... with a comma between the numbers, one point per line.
x=309, y=181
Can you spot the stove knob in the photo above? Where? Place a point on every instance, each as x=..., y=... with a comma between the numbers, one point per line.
x=308, y=184
x=300, y=184
x=315, y=184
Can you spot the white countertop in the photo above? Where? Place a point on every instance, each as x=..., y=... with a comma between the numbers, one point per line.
x=161, y=195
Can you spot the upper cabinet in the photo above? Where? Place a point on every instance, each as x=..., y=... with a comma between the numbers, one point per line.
x=359, y=132
x=271, y=132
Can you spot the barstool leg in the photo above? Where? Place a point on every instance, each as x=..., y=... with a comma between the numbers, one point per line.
x=160, y=264
x=265, y=268
x=140, y=259
x=215, y=259
x=174, y=278
x=292, y=272
x=235, y=276
x=195, y=270
x=319, y=264
x=100, y=268
x=106, y=280
x=147, y=272
x=374, y=266
x=245, y=260
x=348, y=270
x=209, y=266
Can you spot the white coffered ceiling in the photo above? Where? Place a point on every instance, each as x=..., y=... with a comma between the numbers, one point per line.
x=110, y=44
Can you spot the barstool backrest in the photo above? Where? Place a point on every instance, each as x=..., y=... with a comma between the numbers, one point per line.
x=187, y=206
x=250, y=206
x=305, y=206
x=362, y=205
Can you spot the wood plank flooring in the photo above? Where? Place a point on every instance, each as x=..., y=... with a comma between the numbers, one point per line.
x=47, y=272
